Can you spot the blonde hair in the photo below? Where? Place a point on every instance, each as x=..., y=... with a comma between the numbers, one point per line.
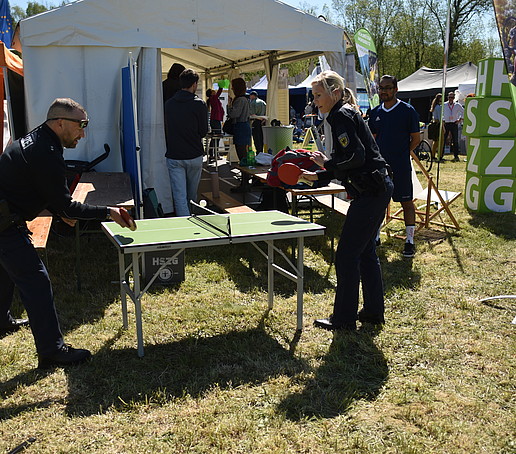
x=333, y=83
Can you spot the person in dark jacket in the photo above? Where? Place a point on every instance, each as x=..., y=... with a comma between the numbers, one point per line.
x=356, y=161
x=32, y=179
x=186, y=123
x=171, y=84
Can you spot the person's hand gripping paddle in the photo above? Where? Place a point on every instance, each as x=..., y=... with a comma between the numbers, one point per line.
x=127, y=219
x=290, y=174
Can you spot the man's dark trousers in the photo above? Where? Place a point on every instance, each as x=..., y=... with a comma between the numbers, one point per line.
x=21, y=266
x=453, y=129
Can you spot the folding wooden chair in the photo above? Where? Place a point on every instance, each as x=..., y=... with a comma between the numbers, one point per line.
x=312, y=134
x=437, y=202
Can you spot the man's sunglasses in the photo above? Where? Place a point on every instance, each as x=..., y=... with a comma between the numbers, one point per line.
x=82, y=123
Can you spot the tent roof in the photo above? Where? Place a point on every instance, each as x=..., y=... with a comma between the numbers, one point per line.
x=209, y=38
x=427, y=81
x=468, y=86
x=307, y=83
x=262, y=84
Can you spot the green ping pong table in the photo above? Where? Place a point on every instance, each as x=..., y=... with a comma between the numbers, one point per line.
x=181, y=233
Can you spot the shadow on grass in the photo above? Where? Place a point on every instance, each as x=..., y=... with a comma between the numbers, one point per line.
x=396, y=273
x=500, y=224
x=99, y=272
x=248, y=268
x=26, y=379
x=192, y=366
x=353, y=369
x=399, y=272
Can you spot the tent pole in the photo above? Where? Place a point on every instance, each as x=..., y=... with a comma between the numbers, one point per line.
x=133, y=73
x=443, y=92
x=10, y=117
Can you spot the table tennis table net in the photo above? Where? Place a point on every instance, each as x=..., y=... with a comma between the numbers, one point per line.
x=206, y=218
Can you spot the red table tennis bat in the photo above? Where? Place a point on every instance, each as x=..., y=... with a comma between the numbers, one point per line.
x=289, y=173
x=128, y=219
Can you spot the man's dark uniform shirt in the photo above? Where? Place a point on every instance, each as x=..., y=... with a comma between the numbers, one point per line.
x=33, y=178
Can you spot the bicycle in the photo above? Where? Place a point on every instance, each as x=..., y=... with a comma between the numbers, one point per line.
x=424, y=153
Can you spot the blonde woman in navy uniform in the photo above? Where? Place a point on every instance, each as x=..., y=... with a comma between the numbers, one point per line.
x=356, y=161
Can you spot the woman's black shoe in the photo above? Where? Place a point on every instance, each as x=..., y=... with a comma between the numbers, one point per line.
x=328, y=324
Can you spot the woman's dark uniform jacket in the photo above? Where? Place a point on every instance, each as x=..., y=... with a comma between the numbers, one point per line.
x=356, y=159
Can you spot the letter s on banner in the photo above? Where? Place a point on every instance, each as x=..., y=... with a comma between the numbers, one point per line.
x=470, y=115
x=499, y=117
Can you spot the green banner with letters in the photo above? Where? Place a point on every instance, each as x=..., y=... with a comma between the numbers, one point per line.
x=490, y=127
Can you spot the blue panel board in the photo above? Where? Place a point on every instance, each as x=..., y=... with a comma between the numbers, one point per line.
x=129, y=159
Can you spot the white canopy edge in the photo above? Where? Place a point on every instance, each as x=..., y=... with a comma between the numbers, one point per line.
x=77, y=51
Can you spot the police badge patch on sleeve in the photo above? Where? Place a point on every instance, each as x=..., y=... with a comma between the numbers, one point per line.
x=344, y=139
x=26, y=141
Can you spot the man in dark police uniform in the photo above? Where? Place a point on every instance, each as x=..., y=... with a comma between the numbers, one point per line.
x=32, y=178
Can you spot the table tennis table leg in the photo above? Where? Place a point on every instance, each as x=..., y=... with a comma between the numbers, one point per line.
x=123, y=293
x=270, y=272
x=300, y=281
x=294, y=204
x=138, y=303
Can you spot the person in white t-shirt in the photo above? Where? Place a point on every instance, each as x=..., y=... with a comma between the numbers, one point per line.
x=452, y=116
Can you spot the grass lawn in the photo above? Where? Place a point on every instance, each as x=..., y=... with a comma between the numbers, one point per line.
x=223, y=375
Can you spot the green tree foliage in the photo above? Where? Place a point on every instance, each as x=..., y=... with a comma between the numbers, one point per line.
x=33, y=8
x=17, y=13
x=300, y=66
x=463, y=13
x=412, y=36
x=375, y=15
x=409, y=34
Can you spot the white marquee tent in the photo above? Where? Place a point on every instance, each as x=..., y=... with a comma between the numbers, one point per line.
x=78, y=51
x=468, y=86
x=427, y=81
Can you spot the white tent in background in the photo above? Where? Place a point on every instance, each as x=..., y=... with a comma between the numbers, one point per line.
x=464, y=89
x=468, y=86
x=263, y=83
x=427, y=81
x=307, y=83
x=78, y=50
